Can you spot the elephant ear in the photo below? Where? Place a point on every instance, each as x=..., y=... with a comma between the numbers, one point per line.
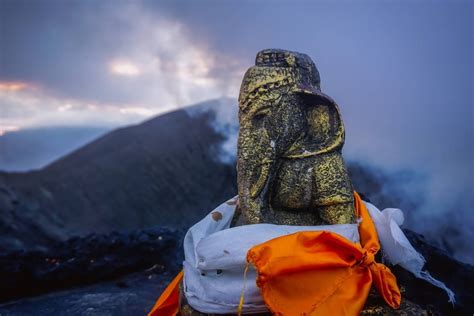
x=325, y=129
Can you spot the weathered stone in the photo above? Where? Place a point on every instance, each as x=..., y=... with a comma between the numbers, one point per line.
x=289, y=164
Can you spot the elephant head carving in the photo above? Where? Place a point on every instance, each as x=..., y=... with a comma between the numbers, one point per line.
x=289, y=166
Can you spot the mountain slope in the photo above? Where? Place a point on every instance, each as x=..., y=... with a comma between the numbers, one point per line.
x=164, y=171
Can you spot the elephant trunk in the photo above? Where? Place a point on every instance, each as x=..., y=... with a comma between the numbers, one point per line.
x=254, y=165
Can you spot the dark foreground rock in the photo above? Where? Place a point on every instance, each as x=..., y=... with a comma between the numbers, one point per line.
x=87, y=260
x=157, y=254
x=131, y=295
x=458, y=276
x=420, y=297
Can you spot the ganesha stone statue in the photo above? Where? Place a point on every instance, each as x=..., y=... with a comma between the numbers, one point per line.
x=289, y=164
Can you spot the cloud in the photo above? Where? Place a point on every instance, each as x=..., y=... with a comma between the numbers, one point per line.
x=225, y=122
x=33, y=106
x=123, y=59
x=176, y=70
x=124, y=68
x=12, y=86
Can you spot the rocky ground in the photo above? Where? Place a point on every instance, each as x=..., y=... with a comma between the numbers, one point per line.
x=89, y=260
x=124, y=273
x=130, y=295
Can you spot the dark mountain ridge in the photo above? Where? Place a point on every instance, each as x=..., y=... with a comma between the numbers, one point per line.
x=163, y=171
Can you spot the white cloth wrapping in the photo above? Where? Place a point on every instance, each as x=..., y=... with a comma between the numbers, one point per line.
x=215, y=256
x=397, y=249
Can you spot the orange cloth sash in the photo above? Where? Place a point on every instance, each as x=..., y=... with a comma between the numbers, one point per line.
x=312, y=273
x=322, y=273
x=168, y=303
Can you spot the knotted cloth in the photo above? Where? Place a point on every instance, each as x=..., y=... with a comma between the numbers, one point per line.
x=322, y=273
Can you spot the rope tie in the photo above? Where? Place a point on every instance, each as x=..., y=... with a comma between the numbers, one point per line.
x=241, y=300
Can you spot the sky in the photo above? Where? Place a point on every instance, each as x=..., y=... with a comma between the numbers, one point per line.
x=401, y=71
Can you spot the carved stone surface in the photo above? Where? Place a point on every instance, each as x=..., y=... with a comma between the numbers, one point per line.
x=289, y=164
